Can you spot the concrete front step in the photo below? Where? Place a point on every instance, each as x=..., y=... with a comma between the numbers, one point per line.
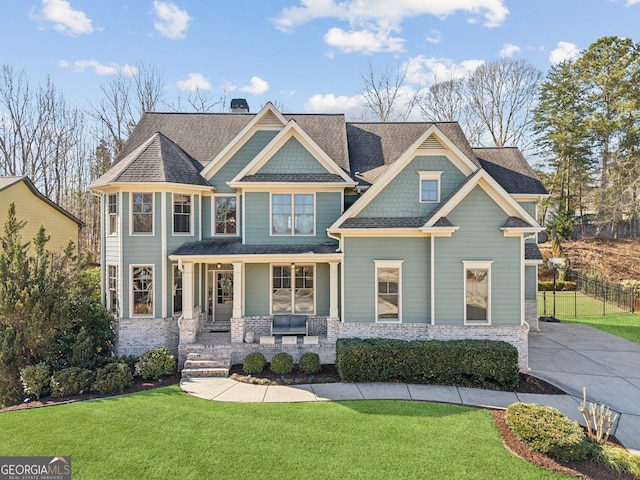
x=207, y=364
x=220, y=363
x=205, y=372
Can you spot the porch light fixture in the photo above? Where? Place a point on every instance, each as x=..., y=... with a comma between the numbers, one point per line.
x=218, y=266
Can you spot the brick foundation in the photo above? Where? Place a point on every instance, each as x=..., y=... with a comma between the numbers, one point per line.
x=135, y=336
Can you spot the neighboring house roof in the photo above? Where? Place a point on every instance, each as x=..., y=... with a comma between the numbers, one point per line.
x=511, y=170
x=157, y=160
x=6, y=182
x=214, y=246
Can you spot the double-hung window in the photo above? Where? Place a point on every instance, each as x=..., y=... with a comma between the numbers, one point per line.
x=293, y=289
x=142, y=213
x=388, y=290
x=181, y=213
x=292, y=214
x=477, y=287
x=112, y=289
x=430, y=187
x=142, y=289
x=225, y=215
x=112, y=200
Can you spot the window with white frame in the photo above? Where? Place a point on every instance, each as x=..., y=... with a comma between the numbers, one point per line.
x=225, y=215
x=142, y=289
x=292, y=214
x=388, y=290
x=181, y=213
x=177, y=290
x=293, y=289
x=477, y=287
x=430, y=187
x=112, y=201
x=142, y=213
x=112, y=289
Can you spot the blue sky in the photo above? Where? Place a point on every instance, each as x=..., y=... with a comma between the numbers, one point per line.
x=307, y=55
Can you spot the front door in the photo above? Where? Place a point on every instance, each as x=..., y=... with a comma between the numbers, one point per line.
x=220, y=293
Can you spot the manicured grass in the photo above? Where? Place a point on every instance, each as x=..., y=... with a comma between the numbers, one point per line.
x=575, y=304
x=165, y=433
x=625, y=325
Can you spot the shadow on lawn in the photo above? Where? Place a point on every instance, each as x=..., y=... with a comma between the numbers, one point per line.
x=405, y=408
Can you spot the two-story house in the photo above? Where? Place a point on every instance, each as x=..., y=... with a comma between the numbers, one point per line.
x=216, y=222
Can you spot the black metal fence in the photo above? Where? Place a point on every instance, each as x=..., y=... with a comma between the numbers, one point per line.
x=590, y=297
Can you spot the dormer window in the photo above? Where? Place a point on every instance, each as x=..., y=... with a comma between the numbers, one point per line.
x=430, y=187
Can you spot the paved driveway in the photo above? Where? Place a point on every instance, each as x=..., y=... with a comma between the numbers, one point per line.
x=573, y=356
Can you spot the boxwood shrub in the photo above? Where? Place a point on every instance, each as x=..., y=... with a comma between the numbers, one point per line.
x=155, y=363
x=547, y=430
x=281, y=363
x=309, y=363
x=114, y=377
x=254, y=363
x=71, y=381
x=474, y=363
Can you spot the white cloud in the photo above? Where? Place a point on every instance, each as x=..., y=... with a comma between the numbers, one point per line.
x=509, y=50
x=425, y=71
x=194, y=81
x=381, y=12
x=564, y=51
x=64, y=18
x=257, y=86
x=435, y=36
x=632, y=2
x=364, y=41
x=99, y=68
x=331, y=103
x=171, y=22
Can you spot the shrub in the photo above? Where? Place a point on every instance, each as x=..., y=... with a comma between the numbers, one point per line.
x=115, y=377
x=254, y=363
x=36, y=380
x=472, y=363
x=71, y=381
x=547, y=430
x=281, y=363
x=617, y=459
x=309, y=363
x=130, y=360
x=156, y=363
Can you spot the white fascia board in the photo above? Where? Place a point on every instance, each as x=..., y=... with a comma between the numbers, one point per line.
x=532, y=263
x=288, y=186
x=154, y=187
x=529, y=197
x=240, y=139
x=292, y=130
x=519, y=231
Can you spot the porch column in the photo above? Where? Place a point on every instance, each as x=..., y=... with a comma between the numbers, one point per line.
x=333, y=289
x=188, y=325
x=237, y=290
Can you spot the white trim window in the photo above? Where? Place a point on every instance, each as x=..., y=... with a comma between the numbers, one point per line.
x=225, y=215
x=177, y=289
x=142, y=290
x=293, y=214
x=112, y=289
x=430, y=187
x=112, y=208
x=142, y=213
x=182, y=217
x=292, y=295
x=388, y=290
x=477, y=293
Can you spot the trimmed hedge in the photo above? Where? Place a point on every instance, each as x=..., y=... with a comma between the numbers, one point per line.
x=155, y=363
x=281, y=363
x=115, y=377
x=254, y=363
x=71, y=381
x=309, y=363
x=473, y=363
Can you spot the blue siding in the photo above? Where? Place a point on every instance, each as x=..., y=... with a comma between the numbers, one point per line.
x=292, y=158
x=531, y=283
x=360, y=282
x=401, y=197
x=242, y=157
x=479, y=238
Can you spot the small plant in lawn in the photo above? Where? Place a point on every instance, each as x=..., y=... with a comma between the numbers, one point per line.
x=254, y=363
x=309, y=363
x=156, y=363
x=281, y=363
x=71, y=381
x=547, y=430
x=115, y=377
x=598, y=419
x=36, y=380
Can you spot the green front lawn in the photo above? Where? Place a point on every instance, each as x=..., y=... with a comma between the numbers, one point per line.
x=164, y=433
x=625, y=325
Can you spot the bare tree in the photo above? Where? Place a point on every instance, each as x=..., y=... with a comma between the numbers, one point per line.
x=502, y=95
x=385, y=94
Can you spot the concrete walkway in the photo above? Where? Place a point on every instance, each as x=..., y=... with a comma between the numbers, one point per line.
x=572, y=356
x=567, y=355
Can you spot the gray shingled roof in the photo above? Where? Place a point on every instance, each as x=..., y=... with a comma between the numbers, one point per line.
x=204, y=135
x=516, y=222
x=532, y=252
x=294, y=177
x=393, y=222
x=214, y=246
x=511, y=170
x=157, y=160
x=375, y=146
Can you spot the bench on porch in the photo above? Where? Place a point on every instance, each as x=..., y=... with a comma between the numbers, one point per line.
x=289, y=324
